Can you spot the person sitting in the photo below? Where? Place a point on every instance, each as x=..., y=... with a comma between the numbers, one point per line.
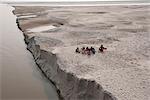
x=77, y=50
x=92, y=50
x=83, y=50
x=87, y=48
x=101, y=49
x=87, y=51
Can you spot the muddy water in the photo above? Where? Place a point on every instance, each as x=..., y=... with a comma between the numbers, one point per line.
x=20, y=78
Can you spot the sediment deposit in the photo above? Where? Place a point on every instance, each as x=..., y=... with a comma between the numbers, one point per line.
x=122, y=72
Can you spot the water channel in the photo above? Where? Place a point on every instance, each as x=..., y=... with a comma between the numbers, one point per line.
x=20, y=78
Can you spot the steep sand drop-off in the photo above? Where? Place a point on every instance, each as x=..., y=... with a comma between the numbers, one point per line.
x=123, y=69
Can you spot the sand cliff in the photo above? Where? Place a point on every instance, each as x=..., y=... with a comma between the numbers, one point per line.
x=69, y=86
x=121, y=70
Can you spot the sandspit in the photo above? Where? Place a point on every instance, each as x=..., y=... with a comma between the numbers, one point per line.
x=122, y=72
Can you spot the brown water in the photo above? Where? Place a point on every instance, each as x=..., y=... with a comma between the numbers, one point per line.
x=20, y=78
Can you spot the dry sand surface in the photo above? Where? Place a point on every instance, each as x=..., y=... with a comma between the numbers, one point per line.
x=123, y=69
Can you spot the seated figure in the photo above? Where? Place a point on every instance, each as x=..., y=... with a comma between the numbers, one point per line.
x=83, y=50
x=92, y=50
x=77, y=50
x=101, y=49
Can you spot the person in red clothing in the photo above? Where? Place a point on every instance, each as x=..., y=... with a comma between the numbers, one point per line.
x=101, y=49
x=87, y=51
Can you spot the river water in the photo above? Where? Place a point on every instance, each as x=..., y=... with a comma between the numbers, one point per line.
x=20, y=78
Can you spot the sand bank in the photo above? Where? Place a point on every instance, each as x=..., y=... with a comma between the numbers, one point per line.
x=122, y=70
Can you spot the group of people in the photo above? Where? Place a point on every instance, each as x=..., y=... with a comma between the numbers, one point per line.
x=88, y=50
